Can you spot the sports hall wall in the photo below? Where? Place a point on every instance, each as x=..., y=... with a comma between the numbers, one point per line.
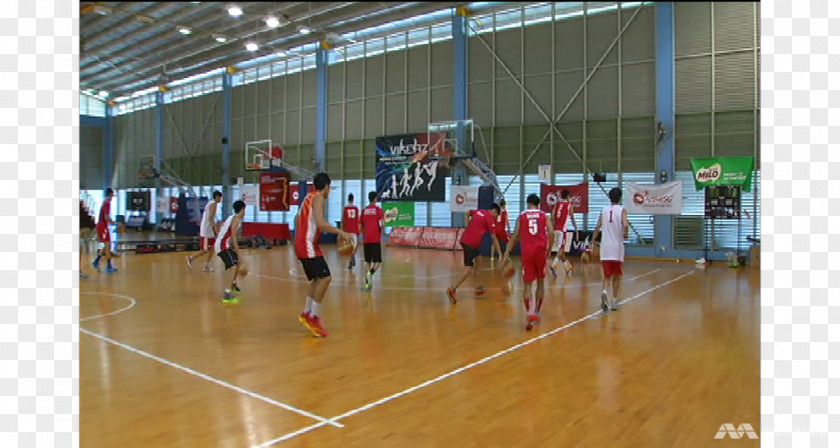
x=610, y=123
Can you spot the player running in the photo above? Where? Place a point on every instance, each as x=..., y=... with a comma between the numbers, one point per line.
x=207, y=232
x=373, y=223
x=350, y=223
x=532, y=226
x=564, y=211
x=482, y=222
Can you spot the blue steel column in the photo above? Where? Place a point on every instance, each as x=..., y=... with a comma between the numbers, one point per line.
x=459, y=99
x=321, y=58
x=226, y=125
x=108, y=154
x=158, y=144
x=663, y=225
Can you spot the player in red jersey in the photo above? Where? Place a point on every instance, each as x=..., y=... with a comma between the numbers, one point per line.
x=309, y=223
x=502, y=229
x=104, y=233
x=350, y=223
x=481, y=222
x=532, y=226
x=373, y=223
x=564, y=211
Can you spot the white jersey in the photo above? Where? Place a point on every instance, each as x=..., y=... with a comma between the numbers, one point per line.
x=612, y=233
x=225, y=234
x=207, y=221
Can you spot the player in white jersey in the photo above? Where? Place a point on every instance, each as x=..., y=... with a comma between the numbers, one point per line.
x=227, y=248
x=615, y=226
x=207, y=231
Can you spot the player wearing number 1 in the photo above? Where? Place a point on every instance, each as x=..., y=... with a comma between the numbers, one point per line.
x=532, y=226
x=613, y=221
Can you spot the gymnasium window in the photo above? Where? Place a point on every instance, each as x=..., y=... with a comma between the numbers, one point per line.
x=441, y=214
x=396, y=42
x=726, y=230
x=91, y=105
x=335, y=202
x=514, y=207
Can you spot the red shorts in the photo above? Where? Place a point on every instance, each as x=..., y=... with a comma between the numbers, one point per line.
x=207, y=243
x=502, y=237
x=104, y=234
x=534, y=266
x=612, y=267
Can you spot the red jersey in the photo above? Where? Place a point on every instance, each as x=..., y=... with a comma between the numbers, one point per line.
x=561, y=215
x=372, y=217
x=501, y=225
x=481, y=222
x=533, y=225
x=307, y=234
x=104, y=211
x=351, y=219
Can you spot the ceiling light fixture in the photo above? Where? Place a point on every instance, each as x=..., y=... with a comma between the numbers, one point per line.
x=103, y=94
x=281, y=53
x=220, y=39
x=304, y=29
x=251, y=46
x=235, y=11
x=102, y=10
x=184, y=30
x=272, y=22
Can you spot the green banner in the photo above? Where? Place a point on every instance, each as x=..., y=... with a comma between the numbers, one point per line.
x=398, y=214
x=723, y=171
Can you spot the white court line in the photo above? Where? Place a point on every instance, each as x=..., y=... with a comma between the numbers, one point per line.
x=464, y=368
x=213, y=380
x=429, y=288
x=131, y=305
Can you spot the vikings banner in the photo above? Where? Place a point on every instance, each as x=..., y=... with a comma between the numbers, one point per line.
x=658, y=199
x=404, y=172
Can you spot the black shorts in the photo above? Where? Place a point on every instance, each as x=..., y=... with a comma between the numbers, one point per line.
x=470, y=253
x=315, y=268
x=373, y=253
x=230, y=257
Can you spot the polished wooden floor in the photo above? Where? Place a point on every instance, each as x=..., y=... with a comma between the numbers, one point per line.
x=165, y=364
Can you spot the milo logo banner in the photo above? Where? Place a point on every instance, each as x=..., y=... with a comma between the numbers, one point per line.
x=550, y=195
x=404, y=171
x=723, y=171
x=398, y=214
x=659, y=199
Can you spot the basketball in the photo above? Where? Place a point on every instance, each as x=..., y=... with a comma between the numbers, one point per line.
x=243, y=271
x=509, y=270
x=346, y=247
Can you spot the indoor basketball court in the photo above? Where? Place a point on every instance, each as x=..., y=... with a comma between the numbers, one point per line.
x=444, y=113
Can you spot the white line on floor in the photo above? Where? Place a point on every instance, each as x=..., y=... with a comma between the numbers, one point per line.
x=464, y=368
x=213, y=380
x=130, y=305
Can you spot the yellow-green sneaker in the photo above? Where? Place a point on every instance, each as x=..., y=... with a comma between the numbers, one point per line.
x=230, y=298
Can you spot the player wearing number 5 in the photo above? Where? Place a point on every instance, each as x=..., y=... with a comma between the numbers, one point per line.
x=533, y=226
x=613, y=221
